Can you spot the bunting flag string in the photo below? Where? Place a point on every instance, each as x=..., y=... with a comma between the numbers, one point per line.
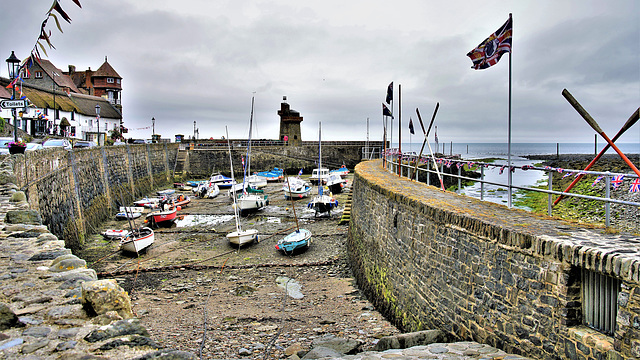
x=616, y=180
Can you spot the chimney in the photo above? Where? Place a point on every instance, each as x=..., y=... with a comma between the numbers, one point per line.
x=72, y=69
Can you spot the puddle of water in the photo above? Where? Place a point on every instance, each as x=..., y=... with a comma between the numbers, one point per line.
x=203, y=220
x=291, y=286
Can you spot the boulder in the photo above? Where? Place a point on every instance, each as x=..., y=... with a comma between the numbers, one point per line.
x=102, y=296
x=408, y=340
x=117, y=329
x=321, y=352
x=18, y=196
x=8, y=318
x=341, y=345
x=23, y=217
x=67, y=263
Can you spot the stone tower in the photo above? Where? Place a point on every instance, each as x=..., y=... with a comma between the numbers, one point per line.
x=289, y=124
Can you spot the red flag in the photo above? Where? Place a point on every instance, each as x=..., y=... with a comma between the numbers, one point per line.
x=489, y=52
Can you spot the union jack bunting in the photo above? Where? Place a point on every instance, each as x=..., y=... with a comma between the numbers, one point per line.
x=560, y=170
x=597, y=180
x=300, y=172
x=502, y=169
x=567, y=174
x=458, y=165
x=635, y=185
x=617, y=181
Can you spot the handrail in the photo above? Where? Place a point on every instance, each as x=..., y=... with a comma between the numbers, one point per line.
x=393, y=160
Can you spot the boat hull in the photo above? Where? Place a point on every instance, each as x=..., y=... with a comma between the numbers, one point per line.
x=135, y=243
x=111, y=234
x=249, y=202
x=162, y=218
x=296, y=241
x=244, y=237
x=127, y=215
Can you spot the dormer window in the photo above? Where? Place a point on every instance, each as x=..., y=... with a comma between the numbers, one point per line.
x=110, y=80
x=38, y=74
x=118, y=81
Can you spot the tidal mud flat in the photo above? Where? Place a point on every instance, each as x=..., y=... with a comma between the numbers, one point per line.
x=196, y=292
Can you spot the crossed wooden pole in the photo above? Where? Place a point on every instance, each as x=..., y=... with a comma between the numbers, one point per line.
x=426, y=141
x=610, y=142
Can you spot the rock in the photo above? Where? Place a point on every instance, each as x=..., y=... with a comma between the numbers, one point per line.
x=343, y=346
x=107, y=318
x=322, y=352
x=244, y=352
x=18, y=196
x=101, y=296
x=408, y=340
x=8, y=318
x=119, y=328
x=293, y=349
x=50, y=255
x=168, y=354
x=66, y=345
x=37, y=331
x=66, y=263
x=23, y=217
x=134, y=341
x=7, y=177
x=31, y=347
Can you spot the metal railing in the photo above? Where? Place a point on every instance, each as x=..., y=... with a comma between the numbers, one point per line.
x=395, y=164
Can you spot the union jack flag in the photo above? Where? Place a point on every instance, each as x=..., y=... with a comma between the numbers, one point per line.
x=597, y=180
x=635, y=185
x=300, y=172
x=489, y=52
x=243, y=162
x=617, y=181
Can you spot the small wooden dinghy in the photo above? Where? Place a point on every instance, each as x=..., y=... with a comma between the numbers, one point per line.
x=111, y=234
x=137, y=241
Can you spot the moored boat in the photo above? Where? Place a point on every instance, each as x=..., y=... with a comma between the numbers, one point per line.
x=335, y=183
x=124, y=215
x=242, y=237
x=111, y=234
x=342, y=171
x=137, y=240
x=222, y=181
x=297, y=240
x=162, y=218
x=166, y=192
x=296, y=188
x=318, y=175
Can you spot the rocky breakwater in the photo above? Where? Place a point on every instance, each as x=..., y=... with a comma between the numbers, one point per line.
x=51, y=305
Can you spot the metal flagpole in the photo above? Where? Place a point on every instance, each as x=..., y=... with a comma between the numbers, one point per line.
x=509, y=141
x=399, y=129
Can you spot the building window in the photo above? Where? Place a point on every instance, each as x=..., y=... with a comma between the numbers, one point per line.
x=25, y=74
x=72, y=115
x=117, y=81
x=38, y=74
x=110, y=80
x=600, y=301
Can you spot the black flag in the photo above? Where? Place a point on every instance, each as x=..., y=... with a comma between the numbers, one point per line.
x=411, y=130
x=385, y=111
x=390, y=93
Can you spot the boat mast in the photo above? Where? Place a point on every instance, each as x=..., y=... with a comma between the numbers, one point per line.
x=233, y=187
x=319, y=158
x=293, y=205
x=244, y=179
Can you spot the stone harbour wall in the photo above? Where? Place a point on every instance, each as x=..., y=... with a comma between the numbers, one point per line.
x=74, y=190
x=51, y=305
x=205, y=161
x=479, y=271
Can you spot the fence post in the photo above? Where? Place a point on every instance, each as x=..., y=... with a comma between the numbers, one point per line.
x=607, y=205
x=550, y=200
x=459, y=180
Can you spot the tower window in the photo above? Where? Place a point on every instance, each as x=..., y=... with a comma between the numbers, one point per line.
x=600, y=301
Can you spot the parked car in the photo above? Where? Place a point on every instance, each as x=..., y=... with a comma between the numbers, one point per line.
x=141, y=141
x=63, y=143
x=33, y=146
x=84, y=144
x=4, y=145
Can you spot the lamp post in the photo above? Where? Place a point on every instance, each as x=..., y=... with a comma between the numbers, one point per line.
x=13, y=65
x=98, y=121
x=153, y=127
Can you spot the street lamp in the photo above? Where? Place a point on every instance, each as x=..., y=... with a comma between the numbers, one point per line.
x=98, y=121
x=153, y=126
x=13, y=65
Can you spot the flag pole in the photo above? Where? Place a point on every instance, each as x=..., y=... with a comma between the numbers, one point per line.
x=400, y=129
x=509, y=130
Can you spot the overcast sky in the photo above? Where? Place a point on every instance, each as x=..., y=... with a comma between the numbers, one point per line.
x=202, y=60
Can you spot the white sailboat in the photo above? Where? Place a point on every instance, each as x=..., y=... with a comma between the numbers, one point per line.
x=248, y=201
x=322, y=203
x=239, y=237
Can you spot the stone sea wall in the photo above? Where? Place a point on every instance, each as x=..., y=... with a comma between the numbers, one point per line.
x=51, y=305
x=205, y=161
x=480, y=271
x=75, y=190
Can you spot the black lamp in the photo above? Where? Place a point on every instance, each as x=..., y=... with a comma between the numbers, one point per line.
x=13, y=66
